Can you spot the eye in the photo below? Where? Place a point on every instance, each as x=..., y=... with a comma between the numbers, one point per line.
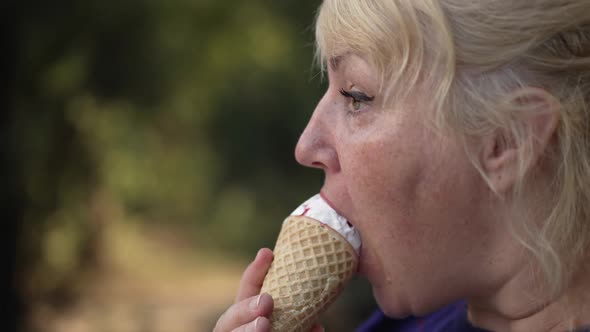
x=356, y=104
x=357, y=99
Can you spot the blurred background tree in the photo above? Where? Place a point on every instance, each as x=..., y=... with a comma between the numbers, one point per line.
x=150, y=145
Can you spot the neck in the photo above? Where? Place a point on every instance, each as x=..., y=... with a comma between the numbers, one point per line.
x=520, y=305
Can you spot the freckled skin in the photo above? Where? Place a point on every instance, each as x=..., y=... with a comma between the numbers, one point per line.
x=420, y=206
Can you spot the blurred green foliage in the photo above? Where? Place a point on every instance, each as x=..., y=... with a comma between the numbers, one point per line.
x=178, y=112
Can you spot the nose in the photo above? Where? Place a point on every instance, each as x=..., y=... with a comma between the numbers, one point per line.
x=316, y=147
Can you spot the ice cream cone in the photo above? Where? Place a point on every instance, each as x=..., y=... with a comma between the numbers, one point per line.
x=312, y=264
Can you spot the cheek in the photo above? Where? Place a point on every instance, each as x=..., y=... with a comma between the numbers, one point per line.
x=382, y=185
x=383, y=178
x=413, y=204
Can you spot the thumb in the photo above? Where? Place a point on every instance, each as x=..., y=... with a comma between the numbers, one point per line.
x=254, y=274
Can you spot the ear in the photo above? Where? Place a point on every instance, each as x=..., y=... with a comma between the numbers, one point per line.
x=536, y=114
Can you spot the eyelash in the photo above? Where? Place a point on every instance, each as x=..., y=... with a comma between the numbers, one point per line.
x=356, y=97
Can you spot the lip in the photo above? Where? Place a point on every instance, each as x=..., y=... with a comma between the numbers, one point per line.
x=330, y=204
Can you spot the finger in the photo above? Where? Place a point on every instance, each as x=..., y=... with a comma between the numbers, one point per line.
x=317, y=328
x=244, y=312
x=261, y=324
x=253, y=276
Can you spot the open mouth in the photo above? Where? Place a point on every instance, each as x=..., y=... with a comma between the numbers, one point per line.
x=327, y=200
x=360, y=269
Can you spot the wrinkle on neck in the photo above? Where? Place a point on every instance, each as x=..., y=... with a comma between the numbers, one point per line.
x=520, y=305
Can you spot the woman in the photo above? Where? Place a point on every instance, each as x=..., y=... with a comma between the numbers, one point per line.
x=455, y=136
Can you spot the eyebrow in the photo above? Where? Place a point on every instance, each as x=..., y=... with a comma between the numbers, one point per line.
x=336, y=61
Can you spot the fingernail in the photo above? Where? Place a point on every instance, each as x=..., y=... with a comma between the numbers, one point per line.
x=252, y=327
x=256, y=324
x=258, y=301
x=255, y=303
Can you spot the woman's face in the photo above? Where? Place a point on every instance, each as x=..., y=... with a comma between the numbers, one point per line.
x=414, y=197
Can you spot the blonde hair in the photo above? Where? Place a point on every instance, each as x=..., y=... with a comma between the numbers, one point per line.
x=472, y=56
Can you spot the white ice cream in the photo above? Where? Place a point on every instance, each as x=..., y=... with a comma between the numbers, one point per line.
x=317, y=208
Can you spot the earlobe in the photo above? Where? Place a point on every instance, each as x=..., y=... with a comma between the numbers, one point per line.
x=508, y=156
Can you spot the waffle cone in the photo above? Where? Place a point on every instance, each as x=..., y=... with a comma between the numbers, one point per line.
x=312, y=263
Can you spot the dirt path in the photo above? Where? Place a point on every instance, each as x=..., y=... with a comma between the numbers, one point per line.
x=153, y=282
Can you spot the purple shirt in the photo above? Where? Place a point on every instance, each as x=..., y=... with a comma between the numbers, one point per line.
x=452, y=318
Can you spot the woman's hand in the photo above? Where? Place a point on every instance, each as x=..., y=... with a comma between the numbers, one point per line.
x=250, y=311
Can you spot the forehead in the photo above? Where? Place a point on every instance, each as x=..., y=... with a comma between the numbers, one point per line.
x=394, y=36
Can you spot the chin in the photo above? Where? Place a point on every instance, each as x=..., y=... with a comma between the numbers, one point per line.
x=398, y=305
x=391, y=305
